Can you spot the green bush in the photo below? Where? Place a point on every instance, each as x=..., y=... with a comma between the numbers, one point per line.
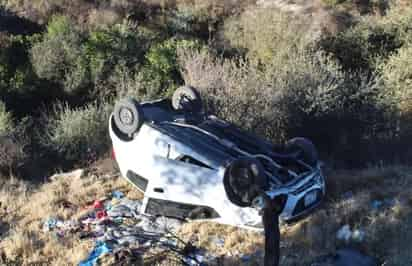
x=105, y=48
x=77, y=134
x=161, y=73
x=16, y=73
x=78, y=61
x=59, y=56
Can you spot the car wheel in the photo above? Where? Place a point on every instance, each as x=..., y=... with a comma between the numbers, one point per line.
x=244, y=180
x=307, y=149
x=128, y=116
x=187, y=99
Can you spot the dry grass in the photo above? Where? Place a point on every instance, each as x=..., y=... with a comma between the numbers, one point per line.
x=24, y=208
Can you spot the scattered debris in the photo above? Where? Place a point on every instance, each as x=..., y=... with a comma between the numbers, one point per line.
x=119, y=230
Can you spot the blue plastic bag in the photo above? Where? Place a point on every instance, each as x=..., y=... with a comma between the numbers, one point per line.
x=100, y=249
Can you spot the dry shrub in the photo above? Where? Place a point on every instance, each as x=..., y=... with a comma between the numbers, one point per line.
x=234, y=91
x=267, y=34
x=397, y=76
x=284, y=100
x=11, y=142
x=77, y=134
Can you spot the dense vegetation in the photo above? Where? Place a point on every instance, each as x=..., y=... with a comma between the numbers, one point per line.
x=350, y=91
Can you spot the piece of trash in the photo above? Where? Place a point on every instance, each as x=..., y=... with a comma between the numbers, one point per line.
x=358, y=235
x=117, y=194
x=344, y=233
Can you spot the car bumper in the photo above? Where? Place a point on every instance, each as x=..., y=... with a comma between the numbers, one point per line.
x=297, y=205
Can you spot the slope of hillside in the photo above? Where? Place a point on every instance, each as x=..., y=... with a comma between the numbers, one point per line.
x=335, y=71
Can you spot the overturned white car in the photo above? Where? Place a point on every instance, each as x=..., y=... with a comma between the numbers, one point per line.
x=190, y=165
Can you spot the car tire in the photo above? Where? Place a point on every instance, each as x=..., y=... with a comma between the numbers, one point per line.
x=187, y=99
x=128, y=116
x=244, y=180
x=308, y=151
